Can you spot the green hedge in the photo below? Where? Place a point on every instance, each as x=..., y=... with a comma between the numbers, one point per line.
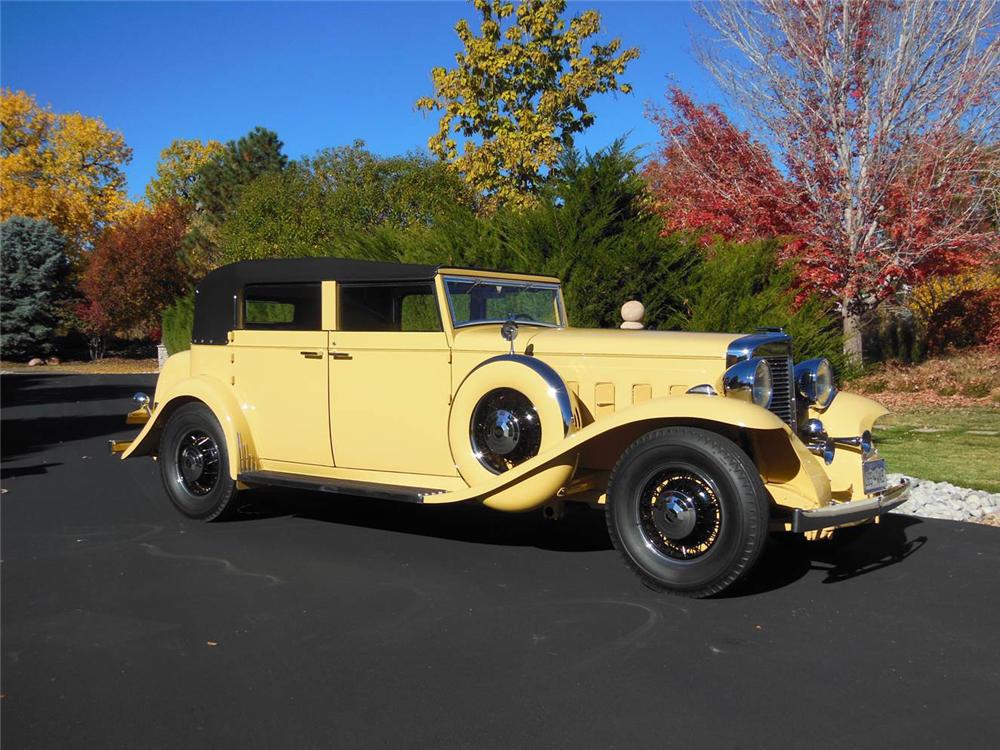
x=178, y=322
x=740, y=287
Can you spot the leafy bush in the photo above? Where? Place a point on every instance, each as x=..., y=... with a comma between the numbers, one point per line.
x=308, y=208
x=134, y=271
x=178, y=322
x=740, y=287
x=894, y=334
x=970, y=318
x=35, y=269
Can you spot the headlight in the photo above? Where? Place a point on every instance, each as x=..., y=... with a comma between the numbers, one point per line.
x=814, y=380
x=750, y=379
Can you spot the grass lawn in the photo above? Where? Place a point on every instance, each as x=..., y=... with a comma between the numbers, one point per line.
x=941, y=445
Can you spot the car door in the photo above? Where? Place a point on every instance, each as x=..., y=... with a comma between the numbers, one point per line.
x=390, y=380
x=279, y=354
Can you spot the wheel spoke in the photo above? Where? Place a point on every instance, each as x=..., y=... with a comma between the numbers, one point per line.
x=680, y=515
x=197, y=463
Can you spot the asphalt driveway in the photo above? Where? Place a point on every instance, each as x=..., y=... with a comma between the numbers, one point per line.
x=321, y=622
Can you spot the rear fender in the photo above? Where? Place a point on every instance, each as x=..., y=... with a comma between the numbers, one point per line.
x=223, y=404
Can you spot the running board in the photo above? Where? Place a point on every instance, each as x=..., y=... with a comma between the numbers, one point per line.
x=336, y=486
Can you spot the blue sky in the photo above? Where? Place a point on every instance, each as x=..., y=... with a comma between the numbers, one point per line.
x=320, y=74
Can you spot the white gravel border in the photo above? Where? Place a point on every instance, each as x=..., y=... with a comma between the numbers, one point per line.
x=945, y=500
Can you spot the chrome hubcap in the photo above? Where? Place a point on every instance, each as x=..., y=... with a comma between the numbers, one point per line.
x=197, y=465
x=674, y=514
x=192, y=463
x=680, y=515
x=502, y=437
x=505, y=429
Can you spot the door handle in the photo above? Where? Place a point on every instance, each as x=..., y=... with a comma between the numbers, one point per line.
x=340, y=355
x=312, y=355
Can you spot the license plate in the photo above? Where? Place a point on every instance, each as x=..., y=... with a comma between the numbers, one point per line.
x=874, y=474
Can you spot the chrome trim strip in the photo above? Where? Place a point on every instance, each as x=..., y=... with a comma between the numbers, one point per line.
x=504, y=282
x=702, y=390
x=557, y=388
x=497, y=322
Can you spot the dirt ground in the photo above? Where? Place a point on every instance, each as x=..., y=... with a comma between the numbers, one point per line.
x=106, y=366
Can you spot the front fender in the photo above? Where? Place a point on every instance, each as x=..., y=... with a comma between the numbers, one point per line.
x=848, y=415
x=537, y=480
x=223, y=404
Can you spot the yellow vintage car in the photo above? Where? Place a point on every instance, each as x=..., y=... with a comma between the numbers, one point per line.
x=435, y=385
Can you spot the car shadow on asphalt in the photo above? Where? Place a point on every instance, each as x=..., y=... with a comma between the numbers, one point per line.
x=852, y=552
x=581, y=530
x=11, y=472
x=30, y=435
x=23, y=390
x=786, y=558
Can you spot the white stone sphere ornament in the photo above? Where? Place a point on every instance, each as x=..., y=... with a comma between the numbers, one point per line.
x=632, y=312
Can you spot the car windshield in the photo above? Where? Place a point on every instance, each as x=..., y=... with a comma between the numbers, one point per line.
x=473, y=301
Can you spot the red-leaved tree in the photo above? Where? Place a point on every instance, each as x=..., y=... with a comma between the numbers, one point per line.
x=133, y=272
x=713, y=177
x=885, y=117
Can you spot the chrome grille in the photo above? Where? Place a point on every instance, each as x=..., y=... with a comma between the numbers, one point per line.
x=783, y=398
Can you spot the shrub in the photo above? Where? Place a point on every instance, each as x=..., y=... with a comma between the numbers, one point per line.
x=178, y=322
x=35, y=270
x=740, y=287
x=135, y=270
x=894, y=334
x=970, y=318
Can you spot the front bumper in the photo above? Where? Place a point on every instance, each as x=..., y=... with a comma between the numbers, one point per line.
x=839, y=514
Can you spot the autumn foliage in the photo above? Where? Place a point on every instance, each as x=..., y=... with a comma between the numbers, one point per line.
x=884, y=118
x=134, y=272
x=62, y=168
x=713, y=177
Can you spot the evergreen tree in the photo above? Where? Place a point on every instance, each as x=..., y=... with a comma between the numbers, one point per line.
x=220, y=183
x=35, y=268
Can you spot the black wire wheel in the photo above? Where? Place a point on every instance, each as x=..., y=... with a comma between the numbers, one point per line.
x=505, y=429
x=194, y=463
x=680, y=514
x=687, y=510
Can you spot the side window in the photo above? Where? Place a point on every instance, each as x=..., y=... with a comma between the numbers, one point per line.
x=388, y=307
x=282, y=307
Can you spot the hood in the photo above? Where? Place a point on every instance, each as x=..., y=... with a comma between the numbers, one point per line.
x=589, y=342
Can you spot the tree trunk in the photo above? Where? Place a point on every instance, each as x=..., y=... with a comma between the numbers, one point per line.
x=852, y=336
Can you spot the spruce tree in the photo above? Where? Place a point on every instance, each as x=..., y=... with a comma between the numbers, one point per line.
x=35, y=269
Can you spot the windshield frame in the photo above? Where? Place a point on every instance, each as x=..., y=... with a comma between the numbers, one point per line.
x=556, y=286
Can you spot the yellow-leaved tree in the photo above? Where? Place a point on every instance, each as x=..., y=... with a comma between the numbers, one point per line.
x=178, y=168
x=518, y=93
x=66, y=168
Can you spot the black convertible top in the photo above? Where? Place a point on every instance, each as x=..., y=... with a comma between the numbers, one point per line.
x=216, y=295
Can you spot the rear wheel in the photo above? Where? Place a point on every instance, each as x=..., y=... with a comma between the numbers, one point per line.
x=194, y=464
x=687, y=510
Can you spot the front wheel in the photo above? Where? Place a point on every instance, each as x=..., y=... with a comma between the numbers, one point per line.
x=194, y=464
x=687, y=510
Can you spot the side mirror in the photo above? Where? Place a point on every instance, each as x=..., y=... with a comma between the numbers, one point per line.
x=509, y=333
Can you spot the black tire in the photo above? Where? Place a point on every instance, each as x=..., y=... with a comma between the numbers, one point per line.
x=687, y=510
x=193, y=435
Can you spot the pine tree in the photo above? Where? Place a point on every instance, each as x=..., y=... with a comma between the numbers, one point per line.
x=221, y=182
x=35, y=269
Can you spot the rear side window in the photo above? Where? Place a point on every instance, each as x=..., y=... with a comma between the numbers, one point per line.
x=388, y=307
x=282, y=307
